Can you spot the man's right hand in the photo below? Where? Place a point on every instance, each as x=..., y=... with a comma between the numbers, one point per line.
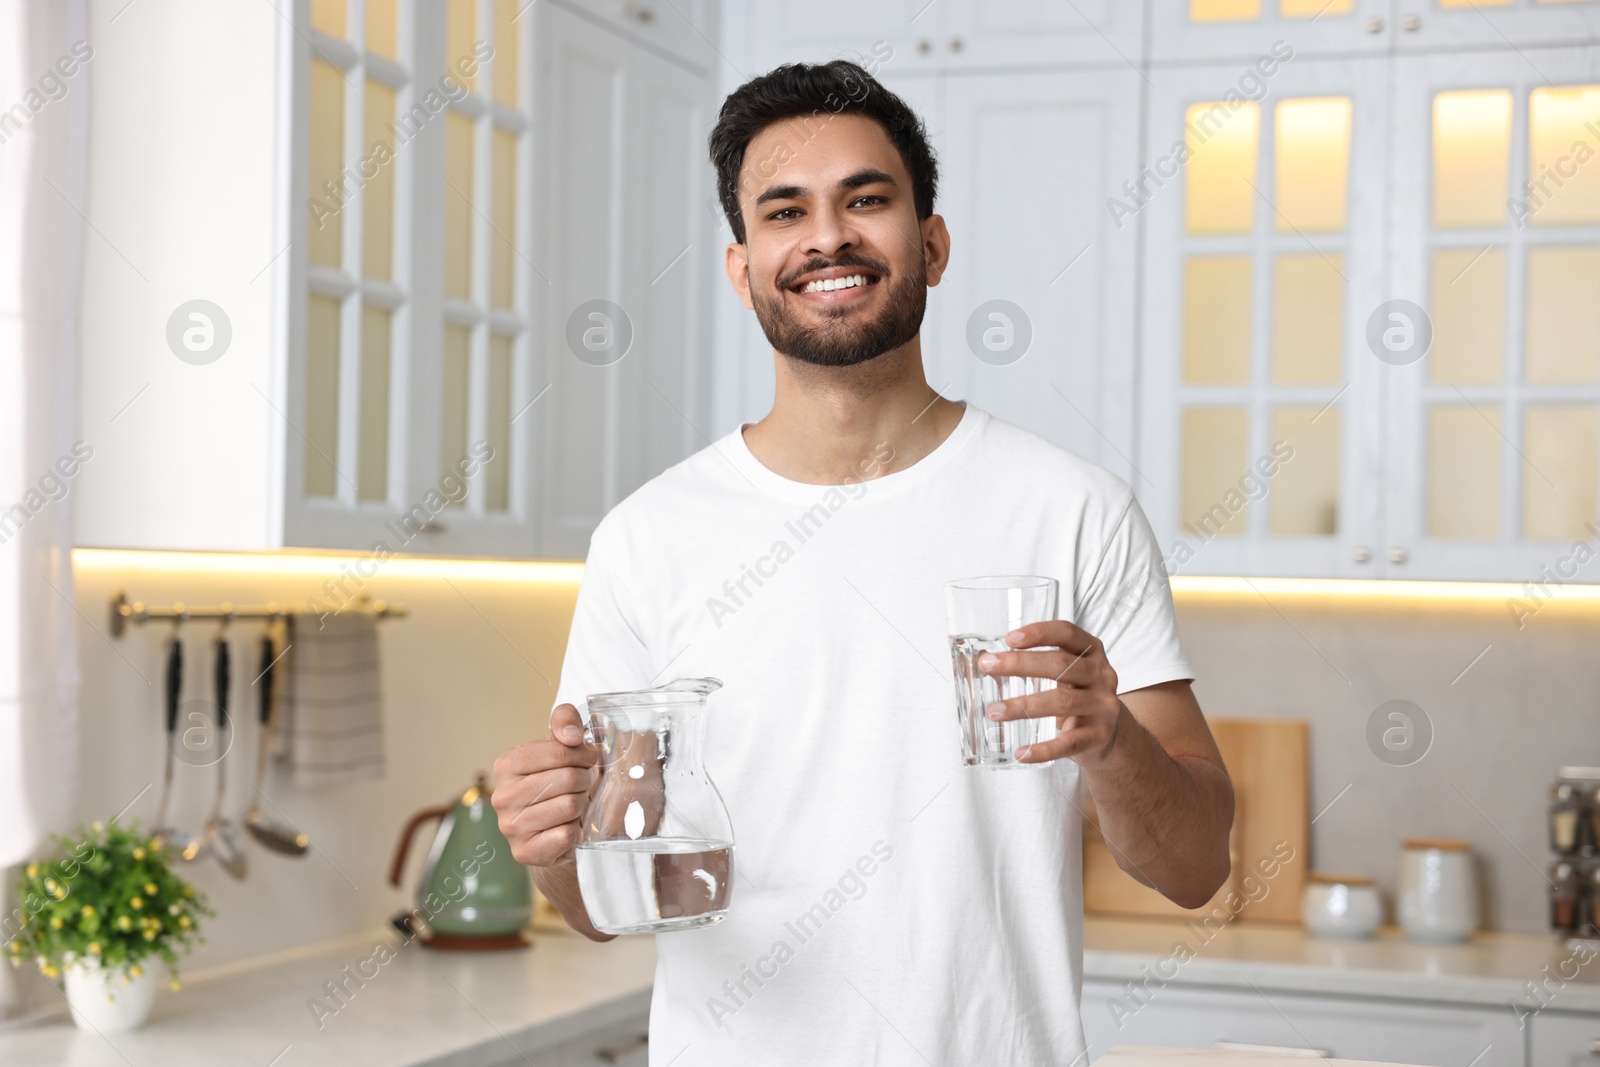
x=542, y=790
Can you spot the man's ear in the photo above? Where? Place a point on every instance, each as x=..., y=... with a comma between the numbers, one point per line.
x=737, y=263
x=936, y=246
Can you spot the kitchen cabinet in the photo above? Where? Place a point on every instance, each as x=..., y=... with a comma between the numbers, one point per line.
x=1373, y=293
x=356, y=335
x=1338, y=1027
x=1184, y=31
x=630, y=260
x=1431, y=25
x=1260, y=401
x=1557, y=1039
x=1033, y=320
x=685, y=30
x=1492, y=449
x=1255, y=251
x=622, y=1044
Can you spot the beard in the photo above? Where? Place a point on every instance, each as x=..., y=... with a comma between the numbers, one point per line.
x=841, y=341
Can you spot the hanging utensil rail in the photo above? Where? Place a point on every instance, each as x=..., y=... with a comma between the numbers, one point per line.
x=125, y=611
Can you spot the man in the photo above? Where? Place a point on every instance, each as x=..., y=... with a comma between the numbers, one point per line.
x=889, y=905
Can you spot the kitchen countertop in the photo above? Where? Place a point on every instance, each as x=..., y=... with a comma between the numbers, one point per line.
x=445, y=1009
x=423, y=1007
x=1491, y=969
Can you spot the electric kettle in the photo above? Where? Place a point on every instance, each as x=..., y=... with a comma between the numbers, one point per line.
x=473, y=893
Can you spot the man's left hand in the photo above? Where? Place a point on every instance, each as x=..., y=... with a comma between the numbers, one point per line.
x=1084, y=702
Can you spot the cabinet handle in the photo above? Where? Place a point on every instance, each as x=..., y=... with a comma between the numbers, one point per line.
x=1411, y=23
x=924, y=47
x=1361, y=554
x=1273, y=1050
x=955, y=44
x=431, y=528
x=616, y=1052
x=639, y=13
x=1374, y=25
x=1398, y=555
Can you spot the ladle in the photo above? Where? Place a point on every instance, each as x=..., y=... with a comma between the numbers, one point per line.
x=221, y=834
x=271, y=834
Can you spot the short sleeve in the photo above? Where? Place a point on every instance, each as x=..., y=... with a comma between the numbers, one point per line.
x=605, y=652
x=1123, y=596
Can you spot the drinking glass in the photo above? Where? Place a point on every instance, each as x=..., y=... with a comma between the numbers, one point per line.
x=981, y=611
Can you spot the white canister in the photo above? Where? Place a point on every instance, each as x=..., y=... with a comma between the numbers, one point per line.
x=107, y=1001
x=1340, y=905
x=1438, y=890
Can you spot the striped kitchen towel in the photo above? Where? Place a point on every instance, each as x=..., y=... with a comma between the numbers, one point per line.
x=331, y=706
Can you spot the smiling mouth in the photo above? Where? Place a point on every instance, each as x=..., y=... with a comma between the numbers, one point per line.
x=832, y=285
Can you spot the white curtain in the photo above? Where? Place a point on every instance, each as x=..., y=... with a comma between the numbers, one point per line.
x=43, y=128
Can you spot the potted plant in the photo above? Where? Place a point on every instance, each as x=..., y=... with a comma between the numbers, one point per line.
x=98, y=914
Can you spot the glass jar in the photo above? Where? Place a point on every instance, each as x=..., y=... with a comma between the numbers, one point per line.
x=656, y=848
x=1567, y=831
x=1565, y=895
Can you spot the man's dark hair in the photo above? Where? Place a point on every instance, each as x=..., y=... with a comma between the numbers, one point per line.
x=815, y=93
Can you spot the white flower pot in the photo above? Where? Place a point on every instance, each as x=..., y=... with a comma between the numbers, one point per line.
x=101, y=1002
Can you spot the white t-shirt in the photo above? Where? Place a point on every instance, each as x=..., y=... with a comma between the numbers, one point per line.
x=890, y=906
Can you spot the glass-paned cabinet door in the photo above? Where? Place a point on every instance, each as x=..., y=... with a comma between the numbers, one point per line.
x=1246, y=30
x=351, y=301
x=1494, y=399
x=1263, y=226
x=475, y=387
x=1427, y=25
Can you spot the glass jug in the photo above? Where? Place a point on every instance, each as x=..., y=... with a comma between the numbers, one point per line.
x=656, y=848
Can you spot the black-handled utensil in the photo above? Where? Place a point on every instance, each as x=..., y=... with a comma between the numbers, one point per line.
x=179, y=842
x=270, y=834
x=221, y=834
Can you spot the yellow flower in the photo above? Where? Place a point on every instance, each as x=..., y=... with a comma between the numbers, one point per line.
x=138, y=853
x=172, y=909
x=155, y=844
x=150, y=888
x=136, y=970
x=60, y=893
x=136, y=903
x=123, y=922
x=50, y=885
x=49, y=972
x=97, y=826
x=188, y=890
x=88, y=909
x=55, y=922
x=149, y=935
x=183, y=921
x=33, y=870
x=94, y=948
x=174, y=985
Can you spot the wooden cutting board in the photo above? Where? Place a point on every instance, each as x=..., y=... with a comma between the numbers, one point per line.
x=1268, y=762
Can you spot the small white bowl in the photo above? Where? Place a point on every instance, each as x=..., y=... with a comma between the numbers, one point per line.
x=1340, y=906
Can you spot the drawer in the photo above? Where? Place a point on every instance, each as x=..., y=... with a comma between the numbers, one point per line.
x=619, y=1044
x=1342, y=1027
x=1562, y=1040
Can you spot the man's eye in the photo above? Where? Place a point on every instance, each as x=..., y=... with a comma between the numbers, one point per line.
x=866, y=199
x=778, y=215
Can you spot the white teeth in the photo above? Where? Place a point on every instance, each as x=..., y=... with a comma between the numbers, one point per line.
x=828, y=285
